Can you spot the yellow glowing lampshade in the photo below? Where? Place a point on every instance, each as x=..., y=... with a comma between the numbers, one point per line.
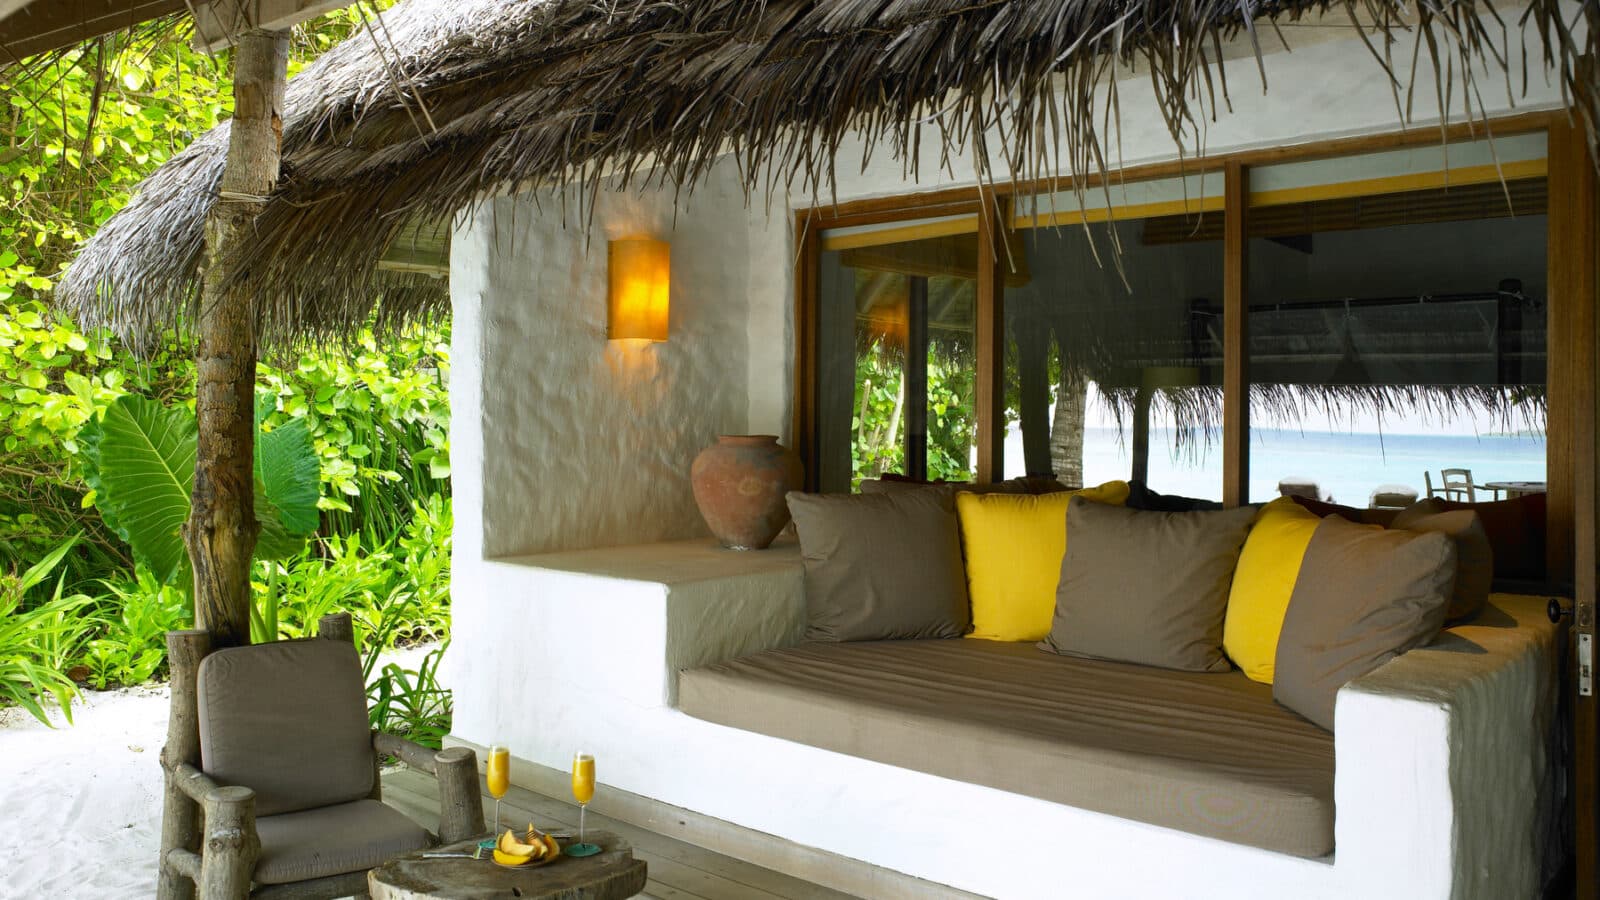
x=640, y=271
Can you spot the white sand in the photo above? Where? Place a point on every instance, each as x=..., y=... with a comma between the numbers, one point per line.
x=80, y=804
x=94, y=785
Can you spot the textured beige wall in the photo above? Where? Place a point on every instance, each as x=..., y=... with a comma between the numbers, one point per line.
x=587, y=442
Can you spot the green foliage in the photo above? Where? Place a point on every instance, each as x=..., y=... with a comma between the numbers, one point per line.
x=37, y=645
x=139, y=460
x=410, y=703
x=79, y=131
x=133, y=648
x=77, y=134
x=879, y=426
x=379, y=417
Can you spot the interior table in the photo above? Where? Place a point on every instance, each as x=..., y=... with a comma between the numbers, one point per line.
x=1515, y=489
x=611, y=874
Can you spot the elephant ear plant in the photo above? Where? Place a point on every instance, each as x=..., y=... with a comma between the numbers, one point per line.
x=139, y=464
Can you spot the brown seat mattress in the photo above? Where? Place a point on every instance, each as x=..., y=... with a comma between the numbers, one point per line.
x=1209, y=754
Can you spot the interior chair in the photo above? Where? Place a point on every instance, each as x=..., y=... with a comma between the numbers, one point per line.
x=1456, y=484
x=287, y=780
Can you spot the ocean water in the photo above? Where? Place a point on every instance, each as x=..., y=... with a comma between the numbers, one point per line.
x=1347, y=466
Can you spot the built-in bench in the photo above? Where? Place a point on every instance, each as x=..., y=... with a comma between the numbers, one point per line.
x=1442, y=779
x=1210, y=754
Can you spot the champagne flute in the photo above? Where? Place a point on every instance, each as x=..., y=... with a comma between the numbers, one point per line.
x=498, y=775
x=583, y=792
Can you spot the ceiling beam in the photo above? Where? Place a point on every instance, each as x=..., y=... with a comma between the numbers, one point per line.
x=217, y=21
x=30, y=27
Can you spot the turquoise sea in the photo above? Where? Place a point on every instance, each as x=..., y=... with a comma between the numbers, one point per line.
x=1347, y=466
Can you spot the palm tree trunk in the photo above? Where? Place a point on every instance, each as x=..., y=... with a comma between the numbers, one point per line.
x=222, y=527
x=1066, y=431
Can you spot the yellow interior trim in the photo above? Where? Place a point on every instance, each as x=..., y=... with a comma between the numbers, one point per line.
x=1119, y=213
x=900, y=234
x=1397, y=184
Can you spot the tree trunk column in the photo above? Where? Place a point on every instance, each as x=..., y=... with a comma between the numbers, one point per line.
x=221, y=531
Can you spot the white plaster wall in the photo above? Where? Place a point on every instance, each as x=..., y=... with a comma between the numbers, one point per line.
x=1322, y=89
x=578, y=441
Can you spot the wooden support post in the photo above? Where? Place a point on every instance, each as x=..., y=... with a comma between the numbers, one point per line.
x=337, y=627
x=232, y=847
x=1141, y=436
x=180, y=816
x=990, y=413
x=460, y=802
x=222, y=527
x=916, y=389
x=1235, y=338
x=1033, y=371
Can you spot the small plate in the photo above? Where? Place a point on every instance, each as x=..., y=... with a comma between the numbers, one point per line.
x=530, y=864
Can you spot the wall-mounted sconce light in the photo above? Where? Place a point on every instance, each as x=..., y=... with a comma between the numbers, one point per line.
x=639, y=271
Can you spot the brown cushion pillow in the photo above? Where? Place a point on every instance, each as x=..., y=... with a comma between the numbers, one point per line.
x=1364, y=596
x=1474, y=555
x=881, y=566
x=1147, y=587
x=289, y=720
x=1516, y=530
x=1365, y=516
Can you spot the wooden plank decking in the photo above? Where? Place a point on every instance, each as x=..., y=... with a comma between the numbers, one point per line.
x=678, y=870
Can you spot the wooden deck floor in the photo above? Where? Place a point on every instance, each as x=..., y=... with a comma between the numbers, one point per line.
x=678, y=871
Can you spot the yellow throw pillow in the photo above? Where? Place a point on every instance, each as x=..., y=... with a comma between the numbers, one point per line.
x=1013, y=545
x=1263, y=583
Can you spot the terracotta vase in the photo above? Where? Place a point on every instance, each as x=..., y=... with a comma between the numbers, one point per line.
x=739, y=485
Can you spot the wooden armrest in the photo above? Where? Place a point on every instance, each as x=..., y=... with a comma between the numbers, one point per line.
x=409, y=752
x=456, y=768
x=193, y=782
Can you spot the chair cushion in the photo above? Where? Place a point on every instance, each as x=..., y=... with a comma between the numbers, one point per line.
x=288, y=720
x=349, y=837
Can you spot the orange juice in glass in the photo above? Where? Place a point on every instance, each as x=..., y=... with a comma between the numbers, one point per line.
x=583, y=792
x=497, y=773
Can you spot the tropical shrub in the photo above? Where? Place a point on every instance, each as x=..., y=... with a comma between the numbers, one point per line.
x=137, y=616
x=37, y=645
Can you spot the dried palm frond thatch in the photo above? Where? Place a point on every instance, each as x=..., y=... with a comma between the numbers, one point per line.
x=465, y=97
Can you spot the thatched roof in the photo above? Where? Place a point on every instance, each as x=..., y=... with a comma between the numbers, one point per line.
x=456, y=98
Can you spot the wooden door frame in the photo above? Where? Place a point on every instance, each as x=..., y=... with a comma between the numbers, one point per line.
x=1574, y=388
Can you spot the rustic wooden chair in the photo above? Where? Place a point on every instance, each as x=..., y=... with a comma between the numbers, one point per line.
x=270, y=755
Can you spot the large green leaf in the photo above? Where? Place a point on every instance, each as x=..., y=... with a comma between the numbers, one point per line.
x=141, y=467
x=139, y=459
x=288, y=482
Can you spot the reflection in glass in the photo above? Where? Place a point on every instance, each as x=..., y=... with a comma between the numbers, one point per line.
x=1114, y=357
x=896, y=374
x=1395, y=336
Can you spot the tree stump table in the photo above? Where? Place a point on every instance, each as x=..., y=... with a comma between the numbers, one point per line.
x=612, y=874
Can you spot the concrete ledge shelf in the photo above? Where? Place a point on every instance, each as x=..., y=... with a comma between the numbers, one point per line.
x=619, y=622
